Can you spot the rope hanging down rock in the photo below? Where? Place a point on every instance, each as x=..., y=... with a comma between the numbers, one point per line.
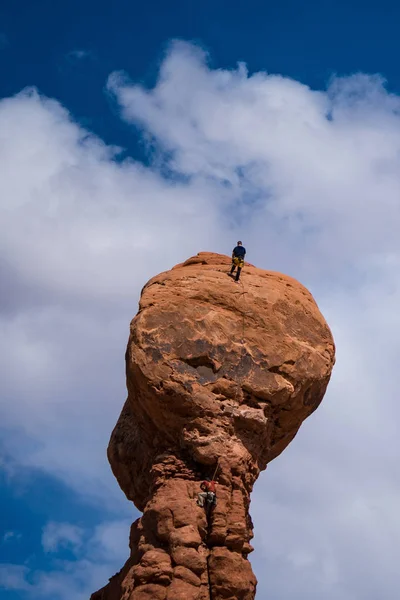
x=242, y=352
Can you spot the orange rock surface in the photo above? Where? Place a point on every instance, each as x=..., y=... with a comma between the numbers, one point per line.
x=220, y=377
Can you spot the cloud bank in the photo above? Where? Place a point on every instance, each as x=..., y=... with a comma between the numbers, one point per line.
x=310, y=181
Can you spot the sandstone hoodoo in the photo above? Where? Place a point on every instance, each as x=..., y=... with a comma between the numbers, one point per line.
x=220, y=377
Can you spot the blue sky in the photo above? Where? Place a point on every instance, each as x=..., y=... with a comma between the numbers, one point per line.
x=307, y=41
x=210, y=152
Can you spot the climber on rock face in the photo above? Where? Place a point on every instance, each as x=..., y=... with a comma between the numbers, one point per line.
x=238, y=255
x=208, y=494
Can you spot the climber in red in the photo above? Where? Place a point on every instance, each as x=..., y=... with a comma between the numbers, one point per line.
x=208, y=495
x=238, y=254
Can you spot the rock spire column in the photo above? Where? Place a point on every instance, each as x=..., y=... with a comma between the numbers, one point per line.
x=220, y=377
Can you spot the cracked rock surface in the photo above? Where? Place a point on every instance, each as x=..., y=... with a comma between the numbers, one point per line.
x=222, y=374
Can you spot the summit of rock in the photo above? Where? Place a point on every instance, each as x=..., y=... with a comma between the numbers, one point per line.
x=220, y=377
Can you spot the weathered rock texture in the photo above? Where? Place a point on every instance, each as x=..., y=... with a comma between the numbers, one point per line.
x=216, y=371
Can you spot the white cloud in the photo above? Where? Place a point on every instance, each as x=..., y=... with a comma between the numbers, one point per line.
x=13, y=577
x=79, y=54
x=57, y=536
x=99, y=554
x=111, y=539
x=80, y=235
x=310, y=181
x=69, y=580
x=11, y=536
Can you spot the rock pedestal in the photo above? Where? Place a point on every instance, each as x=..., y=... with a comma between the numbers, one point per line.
x=220, y=377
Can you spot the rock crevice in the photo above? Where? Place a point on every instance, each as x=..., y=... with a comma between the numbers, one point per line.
x=220, y=378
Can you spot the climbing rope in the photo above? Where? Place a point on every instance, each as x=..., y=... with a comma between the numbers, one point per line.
x=216, y=469
x=239, y=385
x=243, y=312
x=240, y=382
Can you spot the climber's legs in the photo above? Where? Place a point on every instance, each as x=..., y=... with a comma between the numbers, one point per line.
x=201, y=497
x=239, y=263
x=210, y=503
x=206, y=497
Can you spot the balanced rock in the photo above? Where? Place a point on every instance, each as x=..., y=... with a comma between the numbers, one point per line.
x=220, y=377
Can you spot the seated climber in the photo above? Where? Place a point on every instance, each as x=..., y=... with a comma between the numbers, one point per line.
x=208, y=495
x=238, y=255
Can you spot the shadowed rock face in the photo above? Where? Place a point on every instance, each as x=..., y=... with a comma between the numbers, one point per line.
x=222, y=374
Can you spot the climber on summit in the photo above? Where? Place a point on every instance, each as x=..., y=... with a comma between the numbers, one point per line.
x=238, y=255
x=208, y=495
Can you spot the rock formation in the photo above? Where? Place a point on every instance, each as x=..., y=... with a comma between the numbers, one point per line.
x=220, y=377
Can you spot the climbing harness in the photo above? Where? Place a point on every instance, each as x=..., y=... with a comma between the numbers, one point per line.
x=238, y=261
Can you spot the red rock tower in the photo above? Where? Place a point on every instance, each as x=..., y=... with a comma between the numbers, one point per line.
x=220, y=377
